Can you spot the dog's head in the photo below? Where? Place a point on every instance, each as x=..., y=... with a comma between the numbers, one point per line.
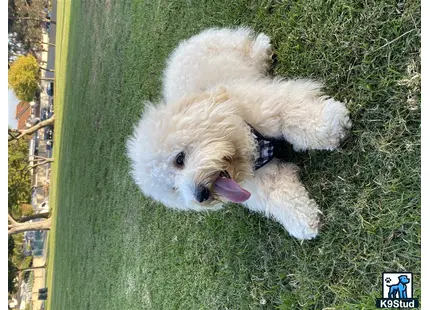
x=192, y=154
x=403, y=279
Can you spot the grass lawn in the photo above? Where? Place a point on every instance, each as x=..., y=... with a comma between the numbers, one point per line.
x=114, y=249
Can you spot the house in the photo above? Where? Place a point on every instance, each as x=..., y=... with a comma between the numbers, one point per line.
x=23, y=114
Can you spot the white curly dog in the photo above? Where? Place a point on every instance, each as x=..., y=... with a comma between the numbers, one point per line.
x=211, y=139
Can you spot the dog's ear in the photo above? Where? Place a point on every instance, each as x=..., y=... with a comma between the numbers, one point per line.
x=183, y=104
x=217, y=95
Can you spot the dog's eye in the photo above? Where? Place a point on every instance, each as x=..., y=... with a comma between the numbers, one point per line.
x=180, y=159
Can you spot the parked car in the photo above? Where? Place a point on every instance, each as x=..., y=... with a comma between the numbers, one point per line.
x=43, y=114
x=51, y=105
x=46, y=113
x=47, y=25
x=49, y=145
x=32, y=120
x=48, y=133
x=50, y=89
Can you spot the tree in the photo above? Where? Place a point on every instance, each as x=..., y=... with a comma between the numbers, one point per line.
x=26, y=209
x=38, y=161
x=19, y=183
x=19, y=186
x=12, y=274
x=47, y=43
x=17, y=262
x=32, y=268
x=47, y=70
x=23, y=77
x=16, y=134
x=37, y=19
x=15, y=226
x=25, y=21
x=34, y=216
x=12, y=269
x=20, y=214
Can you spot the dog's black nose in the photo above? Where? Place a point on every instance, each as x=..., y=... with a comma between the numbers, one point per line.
x=202, y=193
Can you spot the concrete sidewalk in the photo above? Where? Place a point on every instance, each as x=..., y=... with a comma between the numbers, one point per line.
x=39, y=281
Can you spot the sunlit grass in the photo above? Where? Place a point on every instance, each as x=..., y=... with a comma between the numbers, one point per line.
x=62, y=31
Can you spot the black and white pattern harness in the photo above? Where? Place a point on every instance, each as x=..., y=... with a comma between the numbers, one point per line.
x=265, y=149
x=269, y=148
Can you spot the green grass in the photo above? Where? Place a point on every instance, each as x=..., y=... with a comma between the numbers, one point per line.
x=63, y=15
x=114, y=249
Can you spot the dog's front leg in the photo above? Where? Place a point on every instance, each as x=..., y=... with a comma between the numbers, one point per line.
x=296, y=110
x=403, y=293
x=277, y=192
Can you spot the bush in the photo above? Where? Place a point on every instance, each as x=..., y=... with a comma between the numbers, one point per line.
x=26, y=209
x=23, y=77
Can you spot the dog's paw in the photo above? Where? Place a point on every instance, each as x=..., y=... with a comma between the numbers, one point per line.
x=262, y=46
x=310, y=228
x=263, y=52
x=335, y=125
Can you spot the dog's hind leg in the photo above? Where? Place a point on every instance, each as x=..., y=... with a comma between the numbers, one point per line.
x=392, y=293
x=278, y=193
x=213, y=56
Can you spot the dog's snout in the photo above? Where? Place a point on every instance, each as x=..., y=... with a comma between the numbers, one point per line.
x=202, y=193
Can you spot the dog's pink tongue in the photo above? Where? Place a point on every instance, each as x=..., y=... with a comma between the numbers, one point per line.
x=231, y=190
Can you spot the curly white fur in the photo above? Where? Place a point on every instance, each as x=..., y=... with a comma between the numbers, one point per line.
x=215, y=84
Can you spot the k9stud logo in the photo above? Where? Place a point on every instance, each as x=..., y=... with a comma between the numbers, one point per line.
x=397, y=290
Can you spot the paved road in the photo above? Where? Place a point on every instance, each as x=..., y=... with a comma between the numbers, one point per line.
x=52, y=34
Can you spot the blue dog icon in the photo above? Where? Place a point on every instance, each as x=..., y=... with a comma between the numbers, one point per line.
x=399, y=288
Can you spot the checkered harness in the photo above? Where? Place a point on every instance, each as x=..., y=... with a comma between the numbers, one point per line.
x=265, y=149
